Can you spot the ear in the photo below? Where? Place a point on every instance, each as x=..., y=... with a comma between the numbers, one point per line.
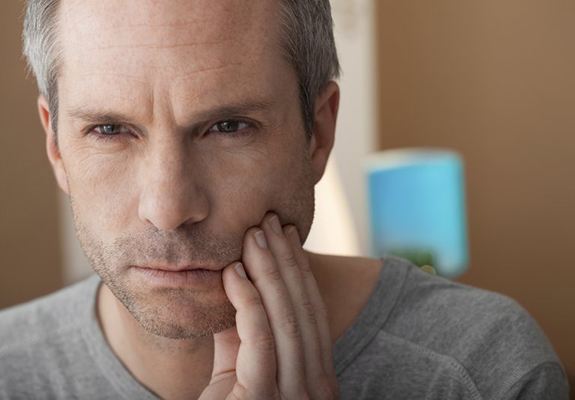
x=323, y=135
x=51, y=145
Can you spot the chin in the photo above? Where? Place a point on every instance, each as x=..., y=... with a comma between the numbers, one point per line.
x=167, y=326
x=179, y=313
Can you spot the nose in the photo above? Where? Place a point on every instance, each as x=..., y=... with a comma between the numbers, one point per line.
x=171, y=194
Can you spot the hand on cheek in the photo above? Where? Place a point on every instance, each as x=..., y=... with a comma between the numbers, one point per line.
x=281, y=345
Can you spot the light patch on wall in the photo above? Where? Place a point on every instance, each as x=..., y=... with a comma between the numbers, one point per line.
x=355, y=136
x=333, y=229
x=76, y=265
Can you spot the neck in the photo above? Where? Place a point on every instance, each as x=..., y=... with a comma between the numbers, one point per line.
x=170, y=368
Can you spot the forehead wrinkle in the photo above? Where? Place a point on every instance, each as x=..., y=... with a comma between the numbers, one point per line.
x=200, y=70
x=161, y=46
x=164, y=36
x=91, y=74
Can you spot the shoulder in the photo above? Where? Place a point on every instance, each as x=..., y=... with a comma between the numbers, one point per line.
x=44, y=338
x=463, y=321
x=448, y=336
x=488, y=336
x=42, y=319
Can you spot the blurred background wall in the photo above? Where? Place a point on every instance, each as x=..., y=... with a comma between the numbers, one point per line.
x=492, y=79
x=30, y=245
x=495, y=80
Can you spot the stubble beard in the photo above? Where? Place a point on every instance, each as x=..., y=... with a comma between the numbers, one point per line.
x=177, y=313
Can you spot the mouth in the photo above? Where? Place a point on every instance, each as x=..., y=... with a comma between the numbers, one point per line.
x=177, y=276
x=179, y=268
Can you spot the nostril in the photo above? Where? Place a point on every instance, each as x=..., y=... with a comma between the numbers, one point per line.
x=168, y=210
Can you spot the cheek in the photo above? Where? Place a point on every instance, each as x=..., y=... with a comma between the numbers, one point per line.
x=240, y=193
x=250, y=189
x=101, y=187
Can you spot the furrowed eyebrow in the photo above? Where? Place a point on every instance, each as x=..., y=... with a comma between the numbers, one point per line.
x=233, y=109
x=97, y=117
x=228, y=110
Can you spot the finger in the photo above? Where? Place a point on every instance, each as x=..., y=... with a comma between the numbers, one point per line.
x=304, y=308
x=255, y=365
x=263, y=271
x=315, y=298
x=226, y=346
x=223, y=380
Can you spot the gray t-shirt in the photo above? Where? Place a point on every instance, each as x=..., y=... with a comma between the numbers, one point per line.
x=419, y=337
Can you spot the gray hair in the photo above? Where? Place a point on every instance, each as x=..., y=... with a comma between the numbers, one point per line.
x=40, y=50
x=310, y=48
x=308, y=45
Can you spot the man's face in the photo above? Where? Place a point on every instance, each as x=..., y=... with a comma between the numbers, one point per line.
x=179, y=128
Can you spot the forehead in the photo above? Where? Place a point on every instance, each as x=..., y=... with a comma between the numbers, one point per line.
x=136, y=47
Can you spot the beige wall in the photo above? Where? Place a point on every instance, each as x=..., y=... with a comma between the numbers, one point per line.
x=29, y=245
x=495, y=79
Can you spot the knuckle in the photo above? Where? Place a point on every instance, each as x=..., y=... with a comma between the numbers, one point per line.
x=264, y=343
x=309, y=311
x=290, y=326
x=273, y=274
x=290, y=261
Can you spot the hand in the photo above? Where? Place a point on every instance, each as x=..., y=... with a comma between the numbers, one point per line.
x=280, y=347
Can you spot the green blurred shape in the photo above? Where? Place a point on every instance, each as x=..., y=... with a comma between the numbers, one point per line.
x=419, y=257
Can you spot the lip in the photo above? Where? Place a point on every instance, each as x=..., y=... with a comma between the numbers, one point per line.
x=177, y=277
x=177, y=268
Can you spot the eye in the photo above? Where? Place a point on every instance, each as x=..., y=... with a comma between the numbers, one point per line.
x=230, y=127
x=109, y=131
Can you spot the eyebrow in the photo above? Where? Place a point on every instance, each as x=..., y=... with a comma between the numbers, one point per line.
x=227, y=110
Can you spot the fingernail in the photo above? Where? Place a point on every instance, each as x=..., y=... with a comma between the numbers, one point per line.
x=261, y=239
x=240, y=270
x=275, y=223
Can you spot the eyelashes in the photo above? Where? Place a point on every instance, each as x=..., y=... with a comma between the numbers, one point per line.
x=227, y=128
x=231, y=126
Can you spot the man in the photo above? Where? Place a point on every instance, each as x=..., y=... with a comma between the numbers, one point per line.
x=189, y=136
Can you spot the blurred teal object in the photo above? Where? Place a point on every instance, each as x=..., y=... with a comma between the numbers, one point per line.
x=417, y=208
